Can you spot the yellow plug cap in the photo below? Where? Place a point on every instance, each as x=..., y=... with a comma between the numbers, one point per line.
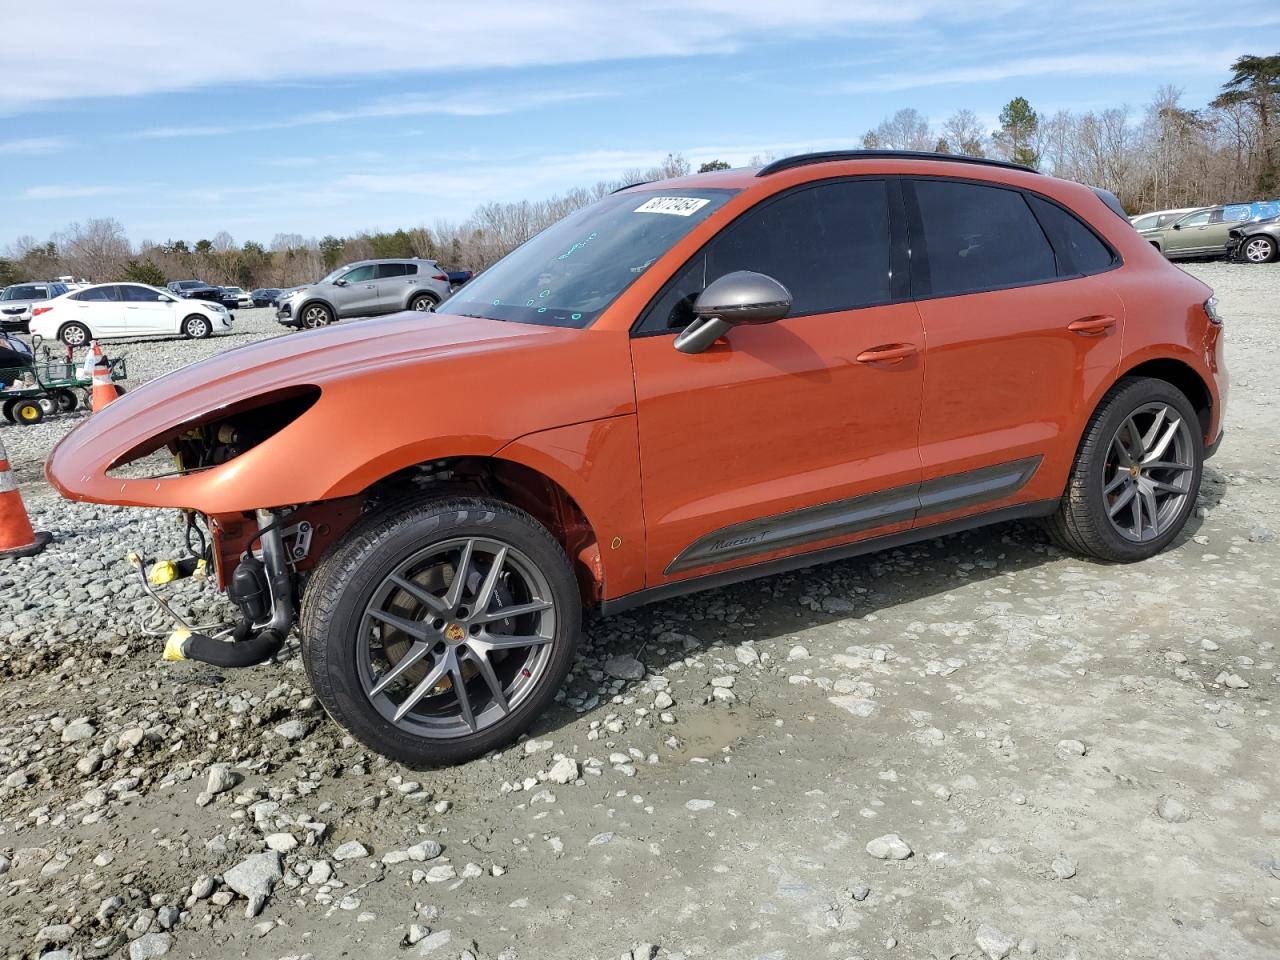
x=162, y=572
x=173, y=646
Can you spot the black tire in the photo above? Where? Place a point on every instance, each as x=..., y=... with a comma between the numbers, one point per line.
x=7, y=409
x=197, y=326
x=1258, y=249
x=27, y=412
x=1082, y=523
x=66, y=400
x=75, y=334
x=424, y=302
x=350, y=575
x=120, y=391
x=313, y=315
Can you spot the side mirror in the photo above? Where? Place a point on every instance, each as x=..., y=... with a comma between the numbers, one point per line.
x=1177, y=226
x=742, y=297
x=339, y=282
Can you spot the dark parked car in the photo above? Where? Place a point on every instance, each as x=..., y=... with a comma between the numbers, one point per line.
x=196, y=290
x=1254, y=242
x=266, y=297
x=458, y=277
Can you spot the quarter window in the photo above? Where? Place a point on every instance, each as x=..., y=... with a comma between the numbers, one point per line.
x=827, y=244
x=980, y=238
x=1079, y=249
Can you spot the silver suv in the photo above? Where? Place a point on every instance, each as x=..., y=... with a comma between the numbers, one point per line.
x=17, y=301
x=365, y=289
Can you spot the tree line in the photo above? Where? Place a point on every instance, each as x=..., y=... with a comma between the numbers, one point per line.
x=1165, y=155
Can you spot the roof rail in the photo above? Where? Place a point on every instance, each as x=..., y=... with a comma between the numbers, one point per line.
x=804, y=159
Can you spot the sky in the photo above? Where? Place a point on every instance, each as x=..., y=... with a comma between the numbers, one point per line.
x=327, y=118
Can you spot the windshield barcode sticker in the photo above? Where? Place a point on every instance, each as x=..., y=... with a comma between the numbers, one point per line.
x=676, y=206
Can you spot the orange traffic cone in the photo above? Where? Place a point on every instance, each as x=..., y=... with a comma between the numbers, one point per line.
x=104, y=391
x=17, y=538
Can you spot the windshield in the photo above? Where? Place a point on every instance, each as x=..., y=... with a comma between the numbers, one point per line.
x=24, y=293
x=567, y=275
x=329, y=278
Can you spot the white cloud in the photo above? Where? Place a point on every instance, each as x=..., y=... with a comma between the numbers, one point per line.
x=117, y=49
x=65, y=192
x=33, y=145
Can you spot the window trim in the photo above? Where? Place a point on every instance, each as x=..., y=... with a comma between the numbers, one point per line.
x=899, y=266
x=921, y=280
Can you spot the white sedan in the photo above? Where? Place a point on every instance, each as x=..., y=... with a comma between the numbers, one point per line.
x=111, y=311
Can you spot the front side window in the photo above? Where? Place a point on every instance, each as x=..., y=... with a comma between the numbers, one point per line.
x=359, y=274
x=1196, y=219
x=980, y=238
x=828, y=244
x=570, y=273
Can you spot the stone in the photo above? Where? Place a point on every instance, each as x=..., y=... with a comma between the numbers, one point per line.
x=1172, y=809
x=426, y=850
x=798, y=652
x=993, y=943
x=150, y=945
x=699, y=805
x=432, y=943
x=1071, y=748
x=282, y=842
x=889, y=847
x=292, y=730
x=254, y=878
x=132, y=737
x=1064, y=868
x=219, y=779
x=77, y=730
x=624, y=667
x=564, y=770
x=351, y=850
x=202, y=887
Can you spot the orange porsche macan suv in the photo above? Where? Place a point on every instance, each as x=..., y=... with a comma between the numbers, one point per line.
x=682, y=385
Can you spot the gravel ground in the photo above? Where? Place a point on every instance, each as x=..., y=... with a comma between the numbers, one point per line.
x=973, y=747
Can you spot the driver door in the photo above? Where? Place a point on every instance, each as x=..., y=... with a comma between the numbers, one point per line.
x=147, y=312
x=357, y=296
x=791, y=435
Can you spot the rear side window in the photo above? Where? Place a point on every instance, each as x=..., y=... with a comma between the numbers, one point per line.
x=386, y=270
x=827, y=244
x=980, y=238
x=98, y=294
x=1079, y=249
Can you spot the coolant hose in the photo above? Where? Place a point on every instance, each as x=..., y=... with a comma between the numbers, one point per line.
x=185, y=645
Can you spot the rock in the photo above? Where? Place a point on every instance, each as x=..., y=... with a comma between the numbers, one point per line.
x=291, y=730
x=150, y=945
x=219, y=779
x=564, y=770
x=798, y=652
x=746, y=655
x=282, y=842
x=858, y=706
x=644, y=951
x=859, y=892
x=993, y=943
x=662, y=701
x=254, y=878
x=1172, y=809
x=1071, y=748
x=1232, y=680
x=889, y=847
x=699, y=805
x=441, y=873
x=351, y=850
x=202, y=887
x=56, y=934
x=131, y=738
x=432, y=943
x=77, y=730
x=536, y=746
x=417, y=932
x=624, y=668
x=426, y=850
x=1064, y=868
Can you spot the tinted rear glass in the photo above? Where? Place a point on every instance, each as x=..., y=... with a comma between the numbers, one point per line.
x=1079, y=249
x=981, y=238
x=97, y=294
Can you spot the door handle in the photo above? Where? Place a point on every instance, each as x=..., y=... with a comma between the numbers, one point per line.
x=1091, y=326
x=887, y=353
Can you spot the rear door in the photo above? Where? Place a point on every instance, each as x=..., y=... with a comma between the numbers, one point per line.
x=1022, y=332
x=147, y=312
x=393, y=281
x=99, y=309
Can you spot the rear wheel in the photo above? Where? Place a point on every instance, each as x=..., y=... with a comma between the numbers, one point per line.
x=74, y=334
x=1259, y=250
x=424, y=302
x=28, y=412
x=315, y=315
x=65, y=400
x=436, y=632
x=1136, y=475
x=7, y=409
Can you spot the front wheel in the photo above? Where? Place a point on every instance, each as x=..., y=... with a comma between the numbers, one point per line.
x=1136, y=474
x=1259, y=250
x=315, y=315
x=197, y=326
x=436, y=632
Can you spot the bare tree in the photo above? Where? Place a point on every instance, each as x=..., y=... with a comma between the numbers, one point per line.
x=98, y=249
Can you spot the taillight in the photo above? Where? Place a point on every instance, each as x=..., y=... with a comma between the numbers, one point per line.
x=39, y=310
x=1211, y=311
x=440, y=276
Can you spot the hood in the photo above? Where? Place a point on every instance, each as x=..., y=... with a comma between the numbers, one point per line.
x=390, y=390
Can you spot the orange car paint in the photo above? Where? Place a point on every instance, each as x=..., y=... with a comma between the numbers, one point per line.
x=659, y=448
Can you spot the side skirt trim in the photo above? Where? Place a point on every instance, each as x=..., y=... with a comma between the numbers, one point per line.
x=666, y=591
x=855, y=514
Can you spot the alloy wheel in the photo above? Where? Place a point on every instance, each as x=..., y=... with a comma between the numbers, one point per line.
x=1148, y=473
x=73, y=336
x=456, y=637
x=197, y=328
x=1257, y=251
x=314, y=317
